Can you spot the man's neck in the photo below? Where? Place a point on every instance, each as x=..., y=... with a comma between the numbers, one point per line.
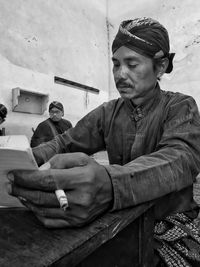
x=143, y=101
x=55, y=122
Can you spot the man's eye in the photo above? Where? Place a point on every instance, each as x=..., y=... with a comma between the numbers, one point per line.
x=132, y=66
x=116, y=65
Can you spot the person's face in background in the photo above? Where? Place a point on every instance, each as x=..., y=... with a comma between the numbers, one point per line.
x=55, y=114
x=134, y=75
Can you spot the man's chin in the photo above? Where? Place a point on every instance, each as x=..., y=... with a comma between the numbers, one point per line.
x=125, y=95
x=55, y=120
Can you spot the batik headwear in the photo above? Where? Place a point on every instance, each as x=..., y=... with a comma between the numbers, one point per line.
x=3, y=111
x=56, y=104
x=145, y=36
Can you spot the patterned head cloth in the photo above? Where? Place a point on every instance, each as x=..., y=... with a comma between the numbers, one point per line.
x=145, y=36
x=57, y=105
x=3, y=111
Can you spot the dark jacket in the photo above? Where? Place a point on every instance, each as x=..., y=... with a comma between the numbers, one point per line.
x=48, y=129
x=154, y=150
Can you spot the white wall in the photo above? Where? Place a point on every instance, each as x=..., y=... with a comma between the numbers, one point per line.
x=182, y=20
x=41, y=39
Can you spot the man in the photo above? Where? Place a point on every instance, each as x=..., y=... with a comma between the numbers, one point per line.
x=153, y=142
x=3, y=114
x=51, y=127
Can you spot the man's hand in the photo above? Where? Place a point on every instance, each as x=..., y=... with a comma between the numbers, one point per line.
x=86, y=183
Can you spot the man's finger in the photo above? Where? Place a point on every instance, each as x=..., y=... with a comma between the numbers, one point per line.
x=68, y=160
x=53, y=223
x=52, y=179
x=36, y=197
x=47, y=199
x=34, y=179
x=74, y=216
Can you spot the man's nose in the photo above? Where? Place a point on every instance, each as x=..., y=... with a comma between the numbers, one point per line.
x=122, y=72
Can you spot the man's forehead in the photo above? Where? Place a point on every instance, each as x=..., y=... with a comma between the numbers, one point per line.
x=126, y=53
x=55, y=109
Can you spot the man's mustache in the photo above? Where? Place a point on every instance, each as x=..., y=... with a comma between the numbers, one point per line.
x=123, y=84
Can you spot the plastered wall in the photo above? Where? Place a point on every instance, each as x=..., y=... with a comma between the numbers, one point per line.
x=182, y=20
x=41, y=39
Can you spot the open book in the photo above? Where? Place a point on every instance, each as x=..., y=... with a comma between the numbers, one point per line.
x=16, y=154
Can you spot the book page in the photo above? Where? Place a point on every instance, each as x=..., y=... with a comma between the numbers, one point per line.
x=16, y=154
x=19, y=142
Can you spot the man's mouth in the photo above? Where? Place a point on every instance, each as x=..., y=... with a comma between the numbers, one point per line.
x=123, y=85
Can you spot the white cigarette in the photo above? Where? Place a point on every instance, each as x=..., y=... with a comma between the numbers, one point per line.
x=62, y=198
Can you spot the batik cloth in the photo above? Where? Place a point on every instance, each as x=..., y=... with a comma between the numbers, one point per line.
x=178, y=241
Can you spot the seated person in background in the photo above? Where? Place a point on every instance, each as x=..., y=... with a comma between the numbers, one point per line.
x=3, y=113
x=51, y=127
x=153, y=142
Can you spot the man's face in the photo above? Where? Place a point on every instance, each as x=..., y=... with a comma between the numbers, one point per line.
x=55, y=114
x=134, y=75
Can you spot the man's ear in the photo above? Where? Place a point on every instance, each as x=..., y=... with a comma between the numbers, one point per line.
x=162, y=67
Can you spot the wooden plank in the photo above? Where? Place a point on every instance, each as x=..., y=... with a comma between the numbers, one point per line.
x=133, y=246
x=25, y=242
x=84, y=87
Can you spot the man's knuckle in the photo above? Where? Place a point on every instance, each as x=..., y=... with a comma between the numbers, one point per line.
x=45, y=222
x=84, y=158
x=90, y=175
x=55, y=158
x=86, y=199
x=83, y=216
x=49, y=181
x=37, y=198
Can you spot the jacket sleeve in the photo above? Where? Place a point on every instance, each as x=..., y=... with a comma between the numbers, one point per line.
x=171, y=167
x=42, y=133
x=87, y=136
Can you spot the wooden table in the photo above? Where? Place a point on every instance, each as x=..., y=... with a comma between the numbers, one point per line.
x=117, y=239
